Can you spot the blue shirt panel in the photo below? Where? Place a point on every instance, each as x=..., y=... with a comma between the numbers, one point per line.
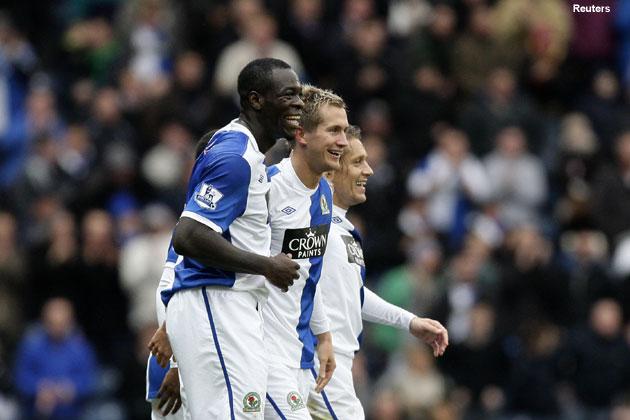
x=218, y=192
x=308, y=294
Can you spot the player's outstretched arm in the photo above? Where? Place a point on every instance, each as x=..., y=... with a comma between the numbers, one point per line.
x=198, y=241
x=431, y=332
x=160, y=346
x=326, y=357
x=375, y=309
x=170, y=399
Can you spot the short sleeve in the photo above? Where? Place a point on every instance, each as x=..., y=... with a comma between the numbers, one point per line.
x=221, y=194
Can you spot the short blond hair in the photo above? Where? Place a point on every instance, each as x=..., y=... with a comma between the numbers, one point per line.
x=314, y=99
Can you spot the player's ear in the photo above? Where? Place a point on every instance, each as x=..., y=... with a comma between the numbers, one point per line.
x=255, y=100
x=299, y=136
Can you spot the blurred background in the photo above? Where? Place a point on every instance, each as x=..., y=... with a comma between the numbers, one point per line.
x=499, y=134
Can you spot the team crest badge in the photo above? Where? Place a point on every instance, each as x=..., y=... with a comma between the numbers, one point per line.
x=295, y=401
x=251, y=402
x=208, y=196
x=324, y=205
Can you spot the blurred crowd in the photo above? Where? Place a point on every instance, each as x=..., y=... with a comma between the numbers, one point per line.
x=499, y=135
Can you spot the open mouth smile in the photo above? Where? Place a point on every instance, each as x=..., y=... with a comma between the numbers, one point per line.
x=335, y=153
x=292, y=120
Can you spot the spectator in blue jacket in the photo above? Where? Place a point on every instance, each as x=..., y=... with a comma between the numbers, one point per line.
x=55, y=369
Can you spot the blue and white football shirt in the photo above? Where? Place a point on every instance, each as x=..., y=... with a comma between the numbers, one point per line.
x=300, y=220
x=348, y=302
x=227, y=192
x=341, y=284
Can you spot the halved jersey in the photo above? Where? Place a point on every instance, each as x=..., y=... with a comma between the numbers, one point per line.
x=227, y=192
x=300, y=220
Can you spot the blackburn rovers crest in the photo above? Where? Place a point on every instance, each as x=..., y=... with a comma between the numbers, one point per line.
x=295, y=401
x=251, y=402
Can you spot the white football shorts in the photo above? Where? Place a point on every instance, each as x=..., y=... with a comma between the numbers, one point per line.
x=217, y=339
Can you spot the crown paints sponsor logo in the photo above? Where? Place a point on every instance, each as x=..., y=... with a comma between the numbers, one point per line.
x=591, y=8
x=307, y=242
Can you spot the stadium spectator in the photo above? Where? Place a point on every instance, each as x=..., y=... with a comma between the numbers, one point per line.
x=141, y=263
x=417, y=382
x=611, y=193
x=478, y=364
x=259, y=39
x=532, y=286
x=56, y=367
x=429, y=49
x=598, y=359
x=413, y=286
x=450, y=182
x=540, y=29
x=102, y=306
x=500, y=104
x=477, y=51
x=517, y=178
x=602, y=106
x=166, y=165
x=92, y=47
x=535, y=370
x=467, y=280
x=367, y=69
x=17, y=63
x=188, y=97
x=150, y=27
x=308, y=31
x=585, y=254
x=576, y=162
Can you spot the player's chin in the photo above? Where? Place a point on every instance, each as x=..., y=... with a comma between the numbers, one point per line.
x=359, y=198
x=288, y=131
x=332, y=164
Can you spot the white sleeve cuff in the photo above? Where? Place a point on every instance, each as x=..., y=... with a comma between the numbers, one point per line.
x=202, y=220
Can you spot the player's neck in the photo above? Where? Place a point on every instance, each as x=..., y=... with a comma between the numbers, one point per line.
x=339, y=204
x=263, y=139
x=309, y=178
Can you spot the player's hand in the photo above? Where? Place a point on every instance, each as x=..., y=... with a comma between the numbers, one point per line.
x=282, y=271
x=326, y=358
x=431, y=332
x=277, y=152
x=160, y=347
x=169, y=397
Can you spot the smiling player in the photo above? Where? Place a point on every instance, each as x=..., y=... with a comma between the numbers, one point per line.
x=347, y=301
x=300, y=211
x=222, y=241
